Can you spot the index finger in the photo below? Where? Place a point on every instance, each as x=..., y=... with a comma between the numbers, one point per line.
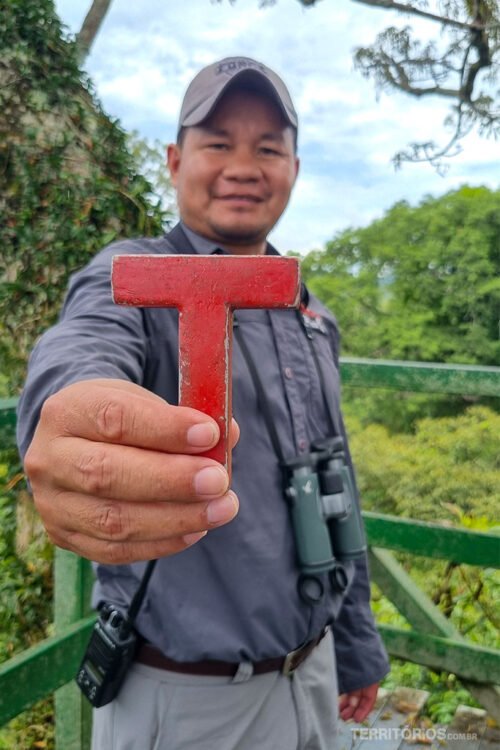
x=108, y=412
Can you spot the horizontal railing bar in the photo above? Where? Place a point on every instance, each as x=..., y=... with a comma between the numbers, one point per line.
x=41, y=669
x=421, y=377
x=38, y=671
x=466, y=660
x=433, y=540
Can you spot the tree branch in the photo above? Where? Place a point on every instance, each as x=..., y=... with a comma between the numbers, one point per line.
x=405, y=8
x=91, y=25
x=429, y=152
x=429, y=91
x=480, y=42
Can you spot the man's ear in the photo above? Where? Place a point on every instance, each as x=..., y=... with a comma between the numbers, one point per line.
x=173, y=161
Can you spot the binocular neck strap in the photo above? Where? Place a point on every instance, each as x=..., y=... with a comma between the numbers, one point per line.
x=261, y=393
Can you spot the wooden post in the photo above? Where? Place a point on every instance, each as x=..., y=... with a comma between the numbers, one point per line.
x=72, y=587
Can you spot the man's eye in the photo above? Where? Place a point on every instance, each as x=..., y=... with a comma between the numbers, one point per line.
x=218, y=146
x=267, y=151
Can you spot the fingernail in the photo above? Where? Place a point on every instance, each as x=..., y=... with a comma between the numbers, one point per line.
x=202, y=435
x=191, y=539
x=212, y=480
x=223, y=509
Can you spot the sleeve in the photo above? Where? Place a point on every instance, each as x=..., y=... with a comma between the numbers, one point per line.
x=361, y=657
x=360, y=653
x=94, y=338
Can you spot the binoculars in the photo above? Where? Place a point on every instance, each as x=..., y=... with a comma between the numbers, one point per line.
x=327, y=523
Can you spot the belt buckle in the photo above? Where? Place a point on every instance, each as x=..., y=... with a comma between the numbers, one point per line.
x=290, y=664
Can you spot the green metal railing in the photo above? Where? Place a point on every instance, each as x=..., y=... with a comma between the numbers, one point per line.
x=50, y=665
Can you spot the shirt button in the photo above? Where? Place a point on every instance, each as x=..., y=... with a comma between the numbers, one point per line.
x=288, y=373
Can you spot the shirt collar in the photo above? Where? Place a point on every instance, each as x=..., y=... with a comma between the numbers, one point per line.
x=199, y=243
x=203, y=246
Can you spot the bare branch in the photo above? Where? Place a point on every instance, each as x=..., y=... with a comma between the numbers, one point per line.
x=430, y=152
x=91, y=25
x=405, y=8
x=396, y=60
x=480, y=43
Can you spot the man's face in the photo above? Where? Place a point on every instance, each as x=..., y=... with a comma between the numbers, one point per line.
x=235, y=172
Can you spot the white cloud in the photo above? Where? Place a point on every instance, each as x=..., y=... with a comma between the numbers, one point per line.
x=147, y=53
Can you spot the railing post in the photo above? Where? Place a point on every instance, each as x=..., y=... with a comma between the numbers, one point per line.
x=73, y=582
x=423, y=615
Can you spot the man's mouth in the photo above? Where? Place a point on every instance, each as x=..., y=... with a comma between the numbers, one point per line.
x=240, y=198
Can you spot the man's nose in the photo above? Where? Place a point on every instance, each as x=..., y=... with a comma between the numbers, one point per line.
x=242, y=166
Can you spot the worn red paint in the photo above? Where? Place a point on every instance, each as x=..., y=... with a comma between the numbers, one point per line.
x=206, y=290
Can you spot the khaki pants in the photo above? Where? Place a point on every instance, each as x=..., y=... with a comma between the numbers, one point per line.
x=159, y=710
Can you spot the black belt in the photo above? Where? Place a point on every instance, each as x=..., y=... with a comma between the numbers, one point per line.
x=153, y=657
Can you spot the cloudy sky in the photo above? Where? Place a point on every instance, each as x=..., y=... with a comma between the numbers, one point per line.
x=148, y=51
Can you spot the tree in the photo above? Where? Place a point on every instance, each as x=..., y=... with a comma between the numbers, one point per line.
x=149, y=160
x=421, y=283
x=462, y=66
x=451, y=69
x=68, y=184
x=447, y=469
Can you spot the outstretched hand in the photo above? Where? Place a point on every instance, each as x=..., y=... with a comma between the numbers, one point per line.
x=117, y=476
x=357, y=704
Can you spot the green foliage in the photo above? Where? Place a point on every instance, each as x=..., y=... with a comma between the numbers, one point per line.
x=466, y=595
x=446, y=693
x=67, y=182
x=25, y=574
x=31, y=730
x=446, y=696
x=449, y=469
x=419, y=284
x=422, y=283
x=149, y=159
x=25, y=596
x=399, y=411
x=68, y=186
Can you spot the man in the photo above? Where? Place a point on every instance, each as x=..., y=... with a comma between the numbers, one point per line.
x=116, y=475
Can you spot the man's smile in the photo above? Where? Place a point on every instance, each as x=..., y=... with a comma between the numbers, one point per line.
x=241, y=197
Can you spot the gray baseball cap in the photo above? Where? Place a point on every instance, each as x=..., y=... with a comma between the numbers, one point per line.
x=211, y=82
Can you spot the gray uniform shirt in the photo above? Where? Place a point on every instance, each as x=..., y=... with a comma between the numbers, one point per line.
x=233, y=596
